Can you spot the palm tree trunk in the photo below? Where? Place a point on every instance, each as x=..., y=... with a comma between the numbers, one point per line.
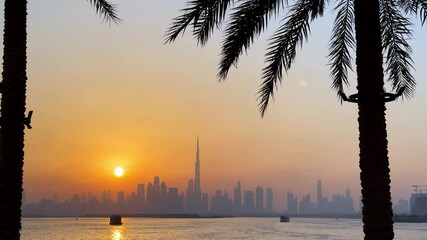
x=374, y=163
x=12, y=117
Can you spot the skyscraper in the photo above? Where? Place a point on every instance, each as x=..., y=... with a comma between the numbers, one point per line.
x=163, y=203
x=292, y=203
x=259, y=203
x=194, y=192
x=205, y=204
x=153, y=195
x=322, y=202
x=189, y=204
x=248, y=201
x=156, y=187
x=197, y=188
x=175, y=204
x=120, y=198
x=140, y=193
x=319, y=192
x=269, y=200
x=237, y=198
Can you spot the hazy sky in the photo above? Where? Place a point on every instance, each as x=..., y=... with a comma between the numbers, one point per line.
x=107, y=95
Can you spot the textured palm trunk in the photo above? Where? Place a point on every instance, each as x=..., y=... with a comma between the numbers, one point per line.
x=374, y=163
x=12, y=117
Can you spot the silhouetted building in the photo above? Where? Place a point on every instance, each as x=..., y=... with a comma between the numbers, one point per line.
x=175, y=201
x=341, y=204
x=292, y=203
x=106, y=196
x=189, y=198
x=83, y=197
x=221, y=204
x=259, y=205
x=322, y=202
x=194, y=191
x=153, y=196
x=156, y=188
x=402, y=207
x=205, y=203
x=418, y=204
x=306, y=206
x=150, y=197
x=197, y=187
x=75, y=199
x=269, y=200
x=140, y=194
x=237, y=198
x=120, y=198
x=248, y=202
x=163, y=198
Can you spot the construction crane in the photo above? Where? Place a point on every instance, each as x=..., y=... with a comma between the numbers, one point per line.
x=419, y=188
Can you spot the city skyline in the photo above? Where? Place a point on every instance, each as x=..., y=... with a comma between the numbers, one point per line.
x=116, y=95
x=152, y=195
x=195, y=201
x=158, y=197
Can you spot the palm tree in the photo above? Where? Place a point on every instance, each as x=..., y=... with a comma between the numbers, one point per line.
x=13, y=90
x=373, y=28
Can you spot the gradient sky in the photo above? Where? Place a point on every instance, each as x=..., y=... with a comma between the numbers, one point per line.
x=106, y=95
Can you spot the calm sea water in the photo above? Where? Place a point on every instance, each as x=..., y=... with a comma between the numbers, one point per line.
x=215, y=228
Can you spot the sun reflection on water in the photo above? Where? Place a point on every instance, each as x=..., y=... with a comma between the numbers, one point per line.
x=117, y=233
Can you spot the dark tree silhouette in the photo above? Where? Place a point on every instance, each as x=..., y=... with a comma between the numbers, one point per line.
x=13, y=120
x=375, y=29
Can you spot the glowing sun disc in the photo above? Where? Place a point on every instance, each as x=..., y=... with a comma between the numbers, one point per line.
x=118, y=171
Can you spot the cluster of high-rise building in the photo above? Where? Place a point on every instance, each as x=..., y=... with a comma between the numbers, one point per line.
x=340, y=204
x=157, y=197
x=251, y=203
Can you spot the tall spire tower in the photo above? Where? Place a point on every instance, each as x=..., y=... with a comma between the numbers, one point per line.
x=197, y=188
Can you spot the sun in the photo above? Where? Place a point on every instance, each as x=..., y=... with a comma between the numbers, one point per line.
x=119, y=171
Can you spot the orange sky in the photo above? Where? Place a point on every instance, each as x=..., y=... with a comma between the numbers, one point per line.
x=116, y=95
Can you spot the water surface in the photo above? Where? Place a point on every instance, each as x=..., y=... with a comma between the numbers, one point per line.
x=206, y=228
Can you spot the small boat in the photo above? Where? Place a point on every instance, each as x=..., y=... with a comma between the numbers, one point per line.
x=284, y=219
x=116, y=220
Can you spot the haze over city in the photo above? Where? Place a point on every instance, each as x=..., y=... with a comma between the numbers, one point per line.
x=115, y=95
x=161, y=197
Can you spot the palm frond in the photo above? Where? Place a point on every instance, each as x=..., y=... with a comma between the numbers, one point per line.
x=212, y=16
x=282, y=50
x=246, y=22
x=318, y=8
x=106, y=10
x=423, y=10
x=179, y=24
x=204, y=16
x=416, y=7
x=341, y=42
x=395, y=30
x=409, y=6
